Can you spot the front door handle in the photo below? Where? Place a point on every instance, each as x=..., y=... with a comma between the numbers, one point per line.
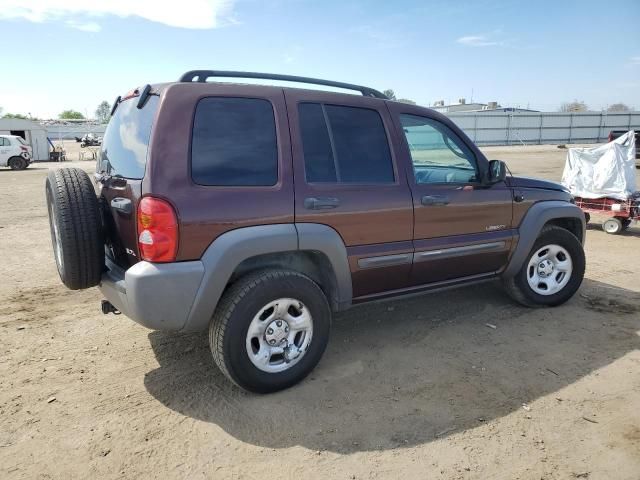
x=433, y=200
x=321, y=203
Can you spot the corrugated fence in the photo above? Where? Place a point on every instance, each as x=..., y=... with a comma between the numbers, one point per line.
x=502, y=128
x=510, y=128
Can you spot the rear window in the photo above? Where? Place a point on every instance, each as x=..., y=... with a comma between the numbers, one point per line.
x=344, y=145
x=234, y=143
x=126, y=141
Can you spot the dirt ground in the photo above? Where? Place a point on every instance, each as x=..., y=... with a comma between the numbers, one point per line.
x=414, y=388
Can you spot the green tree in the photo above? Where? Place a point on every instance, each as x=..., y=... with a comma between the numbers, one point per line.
x=15, y=115
x=103, y=112
x=391, y=95
x=71, y=115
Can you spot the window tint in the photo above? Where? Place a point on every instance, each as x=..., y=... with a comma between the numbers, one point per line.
x=3, y=142
x=126, y=140
x=437, y=153
x=344, y=145
x=234, y=143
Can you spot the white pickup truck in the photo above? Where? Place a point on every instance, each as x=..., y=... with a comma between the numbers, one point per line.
x=14, y=152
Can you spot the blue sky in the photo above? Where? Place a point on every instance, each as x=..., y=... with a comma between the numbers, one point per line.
x=72, y=54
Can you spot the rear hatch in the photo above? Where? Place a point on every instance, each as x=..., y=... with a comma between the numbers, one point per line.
x=119, y=173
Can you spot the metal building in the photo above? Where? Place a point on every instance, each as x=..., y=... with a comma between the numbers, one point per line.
x=32, y=132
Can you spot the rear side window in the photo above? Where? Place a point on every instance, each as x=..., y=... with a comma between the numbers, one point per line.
x=234, y=143
x=344, y=145
x=126, y=140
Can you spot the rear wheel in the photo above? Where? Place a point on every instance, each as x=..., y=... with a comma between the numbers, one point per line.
x=270, y=330
x=613, y=225
x=76, y=227
x=17, y=163
x=553, y=271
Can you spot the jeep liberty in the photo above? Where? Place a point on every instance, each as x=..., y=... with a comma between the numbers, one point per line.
x=256, y=211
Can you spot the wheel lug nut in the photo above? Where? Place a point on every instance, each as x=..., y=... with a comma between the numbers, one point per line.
x=279, y=323
x=272, y=342
x=286, y=329
x=270, y=331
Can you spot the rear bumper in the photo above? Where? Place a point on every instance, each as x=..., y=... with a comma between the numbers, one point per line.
x=157, y=296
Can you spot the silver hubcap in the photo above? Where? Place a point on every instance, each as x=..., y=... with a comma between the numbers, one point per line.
x=279, y=335
x=57, y=248
x=549, y=270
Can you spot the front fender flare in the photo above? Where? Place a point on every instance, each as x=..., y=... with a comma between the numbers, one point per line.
x=535, y=219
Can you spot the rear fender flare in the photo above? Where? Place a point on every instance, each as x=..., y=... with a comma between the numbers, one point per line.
x=230, y=249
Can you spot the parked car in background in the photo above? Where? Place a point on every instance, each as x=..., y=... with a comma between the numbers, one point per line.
x=14, y=152
x=257, y=211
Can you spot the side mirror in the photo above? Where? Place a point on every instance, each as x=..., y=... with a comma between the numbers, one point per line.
x=497, y=172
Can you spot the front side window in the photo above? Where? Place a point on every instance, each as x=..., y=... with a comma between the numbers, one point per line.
x=3, y=142
x=344, y=145
x=234, y=143
x=437, y=153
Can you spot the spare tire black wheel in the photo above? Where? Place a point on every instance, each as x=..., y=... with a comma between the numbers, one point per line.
x=76, y=227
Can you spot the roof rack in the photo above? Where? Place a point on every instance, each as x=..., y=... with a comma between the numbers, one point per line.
x=202, y=76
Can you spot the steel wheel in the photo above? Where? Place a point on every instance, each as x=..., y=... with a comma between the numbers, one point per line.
x=279, y=335
x=55, y=237
x=549, y=269
x=612, y=226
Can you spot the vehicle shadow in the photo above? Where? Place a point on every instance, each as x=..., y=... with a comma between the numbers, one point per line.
x=407, y=372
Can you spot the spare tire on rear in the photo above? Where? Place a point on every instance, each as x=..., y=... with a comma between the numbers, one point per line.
x=76, y=227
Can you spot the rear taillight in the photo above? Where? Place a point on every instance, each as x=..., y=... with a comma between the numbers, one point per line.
x=157, y=230
x=23, y=148
x=610, y=137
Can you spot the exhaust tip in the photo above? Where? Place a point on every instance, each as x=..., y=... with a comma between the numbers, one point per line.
x=107, y=307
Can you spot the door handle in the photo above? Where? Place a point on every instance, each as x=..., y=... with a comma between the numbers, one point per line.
x=121, y=205
x=321, y=203
x=433, y=200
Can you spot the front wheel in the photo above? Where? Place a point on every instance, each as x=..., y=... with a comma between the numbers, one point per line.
x=553, y=271
x=270, y=330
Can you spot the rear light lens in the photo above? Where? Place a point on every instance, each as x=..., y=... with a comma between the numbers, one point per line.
x=23, y=148
x=610, y=137
x=157, y=230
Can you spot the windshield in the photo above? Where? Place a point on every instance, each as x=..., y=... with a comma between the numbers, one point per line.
x=126, y=140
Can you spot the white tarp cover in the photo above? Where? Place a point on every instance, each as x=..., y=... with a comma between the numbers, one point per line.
x=605, y=171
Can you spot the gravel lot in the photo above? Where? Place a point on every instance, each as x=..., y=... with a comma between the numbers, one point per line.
x=414, y=388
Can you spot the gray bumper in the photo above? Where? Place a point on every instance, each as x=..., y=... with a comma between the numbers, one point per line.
x=158, y=296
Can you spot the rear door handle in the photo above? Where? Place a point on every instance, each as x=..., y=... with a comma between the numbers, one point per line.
x=321, y=203
x=121, y=205
x=432, y=200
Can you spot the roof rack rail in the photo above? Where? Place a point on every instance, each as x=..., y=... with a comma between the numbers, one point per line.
x=202, y=76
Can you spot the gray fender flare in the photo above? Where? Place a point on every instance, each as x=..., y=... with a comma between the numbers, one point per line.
x=535, y=219
x=231, y=248
x=324, y=239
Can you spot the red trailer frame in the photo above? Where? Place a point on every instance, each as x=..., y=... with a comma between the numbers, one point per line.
x=620, y=212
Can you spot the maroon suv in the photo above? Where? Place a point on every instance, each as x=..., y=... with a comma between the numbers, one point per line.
x=257, y=211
